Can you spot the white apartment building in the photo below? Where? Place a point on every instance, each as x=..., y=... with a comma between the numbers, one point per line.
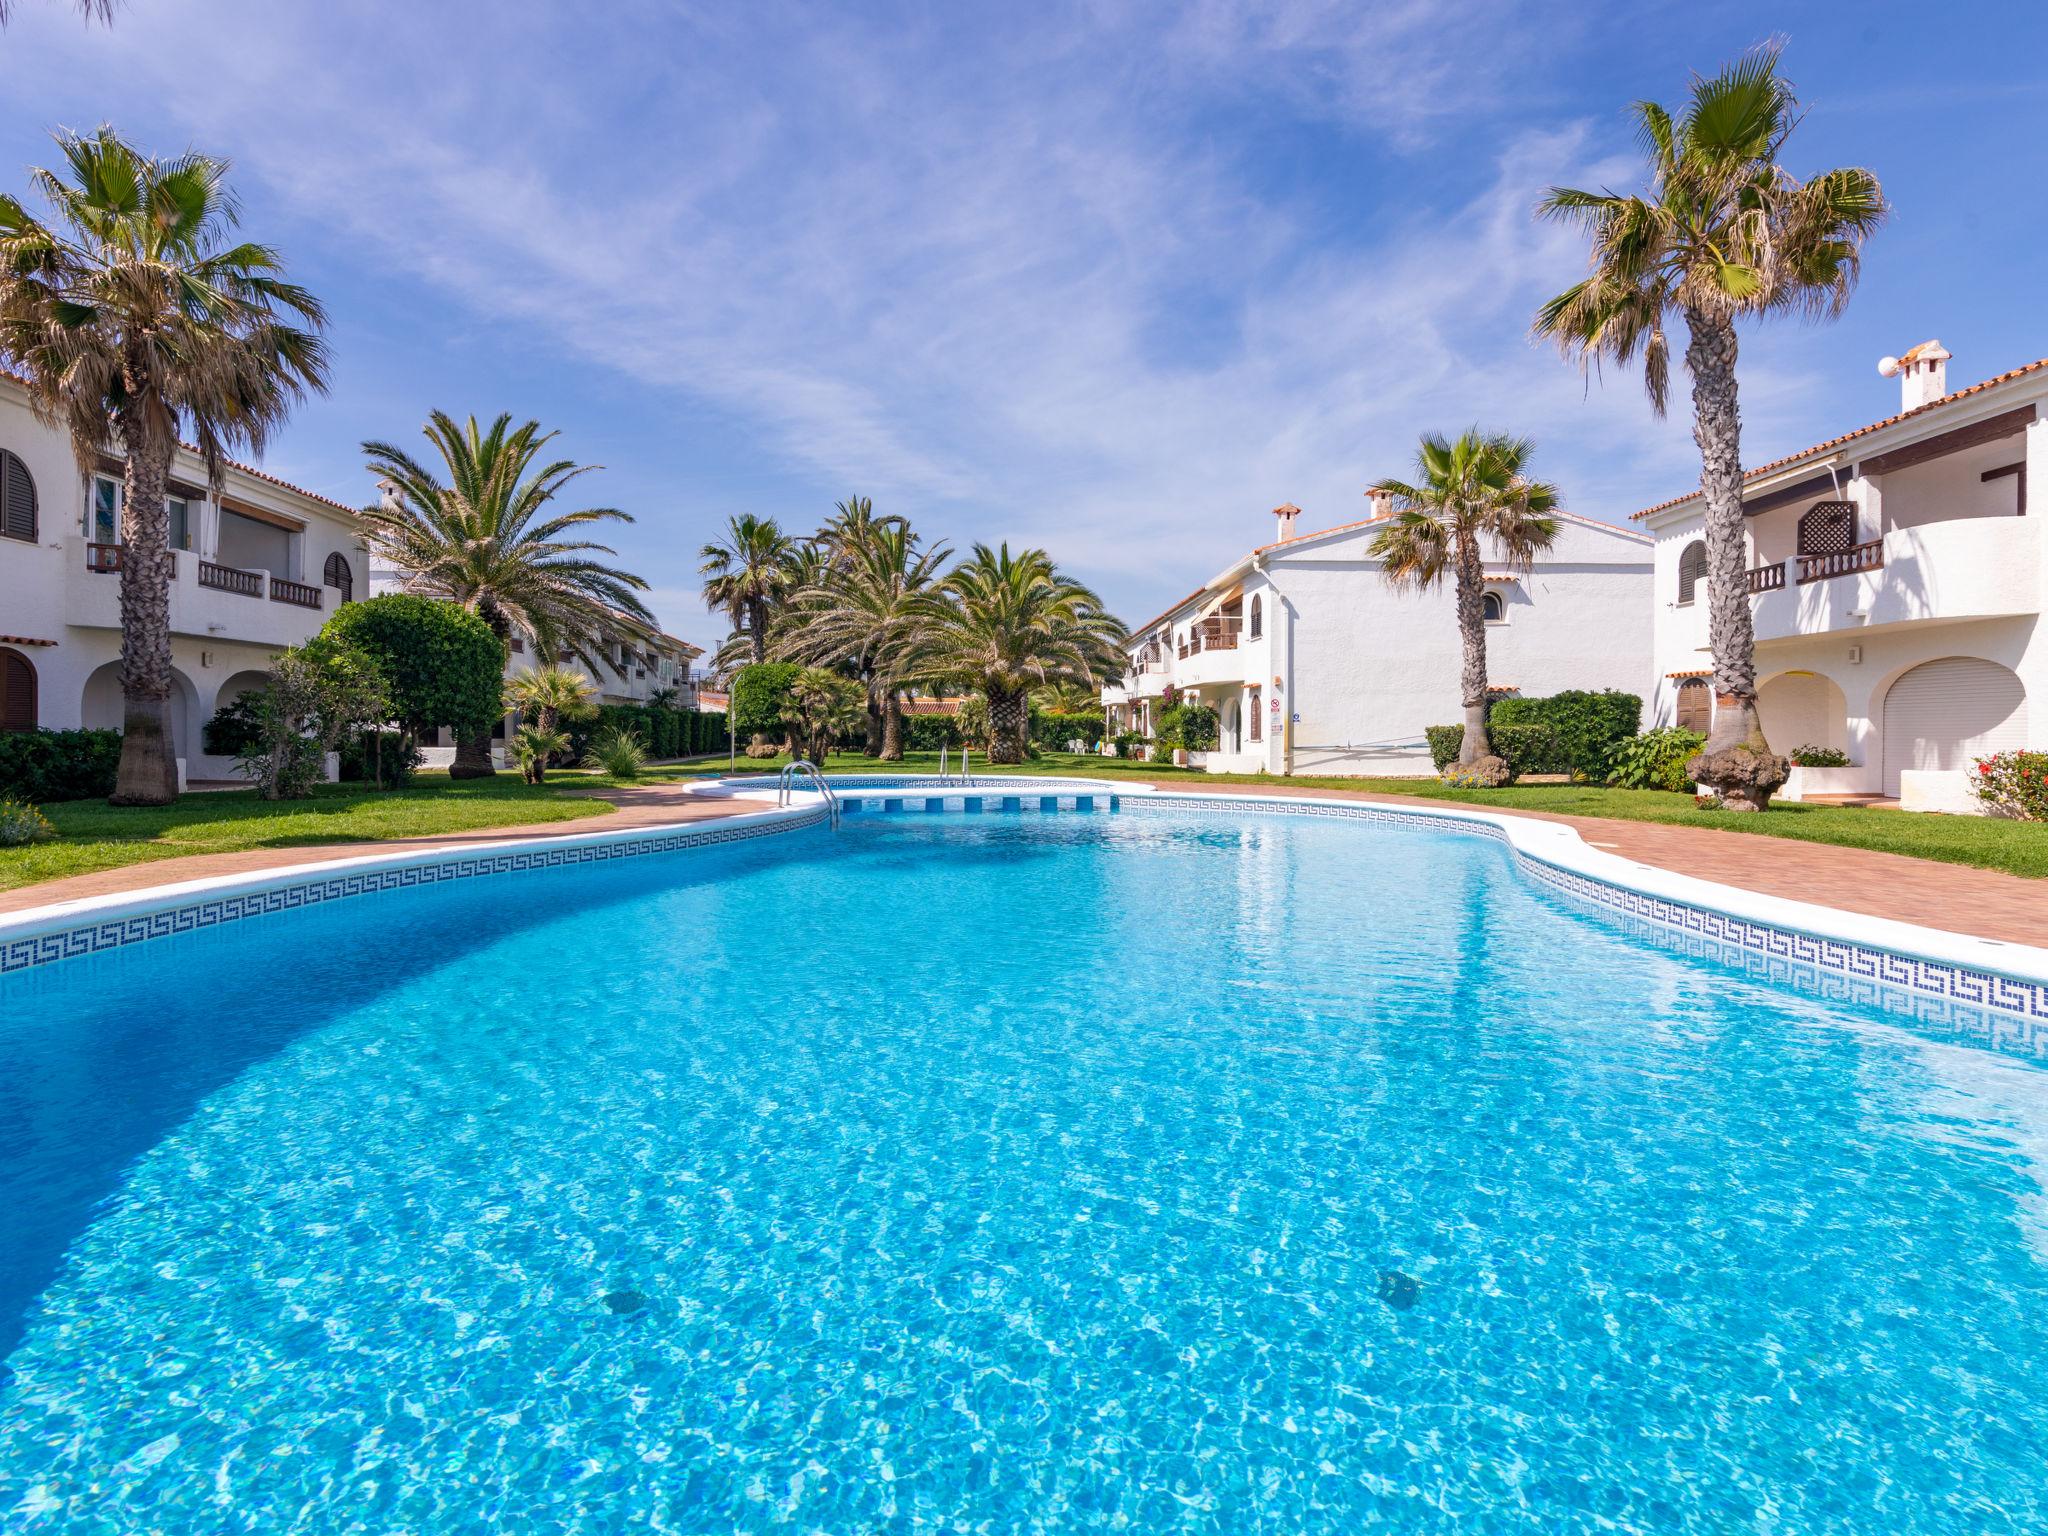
x=258, y=567
x=1315, y=664
x=1897, y=587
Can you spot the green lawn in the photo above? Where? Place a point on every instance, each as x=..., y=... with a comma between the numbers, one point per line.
x=96, y=835
x=2019, y=848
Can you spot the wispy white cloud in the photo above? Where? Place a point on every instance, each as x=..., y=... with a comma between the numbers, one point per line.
x=1025, y=279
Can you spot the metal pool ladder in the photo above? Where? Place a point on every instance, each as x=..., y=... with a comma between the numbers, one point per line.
x=966, y=778
x=785, y=786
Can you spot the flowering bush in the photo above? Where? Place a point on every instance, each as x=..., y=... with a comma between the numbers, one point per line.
x=2013, y=784
x=1818, y=757
x=1707, y=800
x=22, y=824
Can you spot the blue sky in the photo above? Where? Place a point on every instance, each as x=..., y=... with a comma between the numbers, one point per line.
x=1111, y=278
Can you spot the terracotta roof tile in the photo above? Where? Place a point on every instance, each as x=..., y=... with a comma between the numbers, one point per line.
x=1849, y=437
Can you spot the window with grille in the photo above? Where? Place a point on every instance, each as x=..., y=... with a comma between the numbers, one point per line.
x=17, y=692
x=1695, y=705
x=1258, y=715
x=340, y=577
x=1257, y=619
x=1828, y=528
x=17, y=498
x=1692, y=570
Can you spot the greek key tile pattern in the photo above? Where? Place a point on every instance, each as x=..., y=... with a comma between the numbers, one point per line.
x=1789, y=948
x=94, y=937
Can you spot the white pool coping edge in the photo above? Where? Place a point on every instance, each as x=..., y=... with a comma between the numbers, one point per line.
x=1551, y=843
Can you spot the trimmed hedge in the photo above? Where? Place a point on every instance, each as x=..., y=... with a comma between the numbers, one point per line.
x=1586, y=728
x=928, y=733
x=43, y=766
x=664, y=732
x=1051, y=730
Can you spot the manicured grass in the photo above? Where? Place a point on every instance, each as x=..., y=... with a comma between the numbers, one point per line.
x=2019, y=848
x=97, y=836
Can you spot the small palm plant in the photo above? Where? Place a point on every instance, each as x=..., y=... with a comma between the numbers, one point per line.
x=135, y=318
x=823, y=706
x=1724, y=233
x=1471, y=498
x=545, y=698
x=533, y=748
x=618, y=752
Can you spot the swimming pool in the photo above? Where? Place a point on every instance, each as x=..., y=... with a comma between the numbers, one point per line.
x=1157, y=1170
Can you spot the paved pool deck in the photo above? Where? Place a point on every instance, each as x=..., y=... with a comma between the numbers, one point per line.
x=1954, y=897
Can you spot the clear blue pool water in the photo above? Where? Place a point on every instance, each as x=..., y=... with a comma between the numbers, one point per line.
x=1006, y=1173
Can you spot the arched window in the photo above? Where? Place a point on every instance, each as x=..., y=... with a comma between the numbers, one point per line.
x=1258, y=618
x=1828, y=528
x=1695, y=705
x=17, y=498
x=17, y=692
x=1493, y=608
x=340, y=577
x=1692, y=569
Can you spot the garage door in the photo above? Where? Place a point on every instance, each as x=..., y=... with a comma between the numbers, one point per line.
x=1942, y=714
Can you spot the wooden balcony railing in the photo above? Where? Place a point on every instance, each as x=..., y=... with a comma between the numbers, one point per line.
x=1858, y=557
x=104, y=558
x=297, y=593
x=1766, y=578
x=226, y=578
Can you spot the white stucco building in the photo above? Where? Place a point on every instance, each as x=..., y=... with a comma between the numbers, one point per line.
x=1897, y=588
x=1316, y=665
x=259, y=566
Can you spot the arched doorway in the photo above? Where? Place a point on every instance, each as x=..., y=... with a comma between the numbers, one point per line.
x=1943, y=714
x=1803, y=709
x=100, y=707
x=1229, y=742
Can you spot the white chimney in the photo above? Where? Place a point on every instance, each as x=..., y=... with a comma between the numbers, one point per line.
x=1922, y=373
x=1284, y=515
x=1382, y=502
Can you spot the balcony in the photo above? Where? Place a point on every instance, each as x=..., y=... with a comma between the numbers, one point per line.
x=297, y=593
x=1962, y=568
x=208, y=600
x=227, y=578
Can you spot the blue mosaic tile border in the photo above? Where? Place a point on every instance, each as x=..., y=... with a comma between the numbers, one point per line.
x=91, y=938
x=1861, y=963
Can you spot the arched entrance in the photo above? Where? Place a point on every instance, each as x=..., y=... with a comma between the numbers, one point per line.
x=1802, y=709
x=1943, y=714
x=1229, y=733
x=100, y=707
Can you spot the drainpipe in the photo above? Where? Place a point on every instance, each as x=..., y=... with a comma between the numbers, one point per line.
x=1283, y=663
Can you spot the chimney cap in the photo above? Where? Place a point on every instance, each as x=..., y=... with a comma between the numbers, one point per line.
x=1927, y=352
x=1287, y=509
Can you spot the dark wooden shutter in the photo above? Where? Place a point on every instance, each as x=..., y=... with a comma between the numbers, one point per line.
x=1692, y=569
x=1695, y=705
x=17, y=498
x=17, y=692
x=340, y=577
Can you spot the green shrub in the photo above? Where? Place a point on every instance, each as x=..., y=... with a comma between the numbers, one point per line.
x=1809, y=756
x=46, y=766
x=928, y=733
x=1656, y=759
x=387, y=758
x=234, y=729
x=441, y=664
x=1052, y=730
x=1192, y=726
x=2012, y=784
x=618, y=752
x=1444, y=741
x=1130, y=744
x=22, y=824
x=1586, y=728
x=760, y=699
x=317, y=696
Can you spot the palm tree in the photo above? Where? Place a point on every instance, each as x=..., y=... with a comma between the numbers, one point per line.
x=1472, y=498
x=91, y=10
x=747, y=576
x=823, y=707
x=852, y=524
x=136, y=319
x=1005, y=624
x=868, y=611
x=1724, y=232
x=489, y=538
x=545, y=697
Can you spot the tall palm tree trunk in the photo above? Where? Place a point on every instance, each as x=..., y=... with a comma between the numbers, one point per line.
x=757, y=628
x=1737, y=763
x=148, y=773
x=1471, y=603
x=1006, y=717
x=892, y=726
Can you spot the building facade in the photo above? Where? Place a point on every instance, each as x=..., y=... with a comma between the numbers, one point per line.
x=1897, y=583
x=258, y=566
x=1316, y=665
